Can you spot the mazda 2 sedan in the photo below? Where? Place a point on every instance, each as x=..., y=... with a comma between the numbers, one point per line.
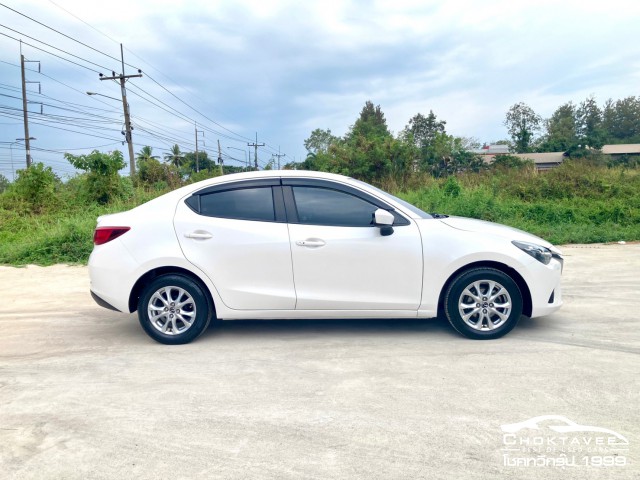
x=297, y=244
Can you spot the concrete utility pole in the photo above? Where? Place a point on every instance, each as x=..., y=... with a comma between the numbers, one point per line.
x=125, y=105
x=278, y=155
x=195, y=126
x=256, y=145
x=24, y=113
x=220, y=161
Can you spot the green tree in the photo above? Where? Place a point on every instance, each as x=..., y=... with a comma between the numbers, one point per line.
x=371, y=124
x=561, y=130
x=319, y=141
x=103, y=182
x=146, y=153
x=589, y=127
x=430, y=138
x=423, y=130
x=522, y=124
x=365, y=152
x=621, y=120
x=175, y=156
x=192, y=164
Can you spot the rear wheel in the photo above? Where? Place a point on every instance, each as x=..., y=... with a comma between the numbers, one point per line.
x=174, y=309
x=483, y=303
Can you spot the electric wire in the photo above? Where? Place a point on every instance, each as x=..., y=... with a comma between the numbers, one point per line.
x=158, y=135
x=60, y=33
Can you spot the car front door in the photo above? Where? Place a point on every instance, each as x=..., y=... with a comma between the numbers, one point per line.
x=237, y=234
x=340, y=259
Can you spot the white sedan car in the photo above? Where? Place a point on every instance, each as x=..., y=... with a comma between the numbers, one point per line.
x=297, y=244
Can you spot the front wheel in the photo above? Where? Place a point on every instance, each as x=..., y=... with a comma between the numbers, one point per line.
x=483, y=303
x=174, y=310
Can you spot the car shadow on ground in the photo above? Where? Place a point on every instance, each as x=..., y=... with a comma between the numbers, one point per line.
x=539, y=324
x=328, y=327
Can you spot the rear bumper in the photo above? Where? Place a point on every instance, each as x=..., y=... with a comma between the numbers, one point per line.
x=111, y=274
x=102, y=302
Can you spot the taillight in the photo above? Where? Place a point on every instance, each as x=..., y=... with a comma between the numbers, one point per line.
x=106, y=234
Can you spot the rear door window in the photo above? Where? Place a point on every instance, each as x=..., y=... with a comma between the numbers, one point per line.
x=241, y=204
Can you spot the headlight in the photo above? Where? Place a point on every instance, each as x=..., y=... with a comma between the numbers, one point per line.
x=540, y=253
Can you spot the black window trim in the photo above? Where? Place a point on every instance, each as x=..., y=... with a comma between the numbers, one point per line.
x=283, y=200
x=194, y=200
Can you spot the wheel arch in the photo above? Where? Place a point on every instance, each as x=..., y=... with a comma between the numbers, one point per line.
x=157, y=272
x=522, y=284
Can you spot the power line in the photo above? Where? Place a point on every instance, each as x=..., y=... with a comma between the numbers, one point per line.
x=147, y=74
x=65, y=85
x=194, y=109
x=53, y=54
x=63, y=34
x=233, y=135
x=51, y=46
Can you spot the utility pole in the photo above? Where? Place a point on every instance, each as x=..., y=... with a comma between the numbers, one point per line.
x=24, y=112
x=125, y=105
x=279, y=155
x=256, y=145
x=220, y=161
x=195, y=126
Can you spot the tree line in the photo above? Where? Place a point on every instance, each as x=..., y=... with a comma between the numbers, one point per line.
x=371, y=152
x=574, y=128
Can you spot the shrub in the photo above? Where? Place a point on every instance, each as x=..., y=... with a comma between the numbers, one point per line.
x=451, y=187
x=102, y=181
x=35, y=188
x=159, y=176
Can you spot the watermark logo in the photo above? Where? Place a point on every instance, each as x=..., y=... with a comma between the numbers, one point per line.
x=556, y=441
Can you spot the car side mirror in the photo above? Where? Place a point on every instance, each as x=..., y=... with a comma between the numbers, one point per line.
x=384, y=220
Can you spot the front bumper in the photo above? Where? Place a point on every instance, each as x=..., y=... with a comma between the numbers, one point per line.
x=545, y=287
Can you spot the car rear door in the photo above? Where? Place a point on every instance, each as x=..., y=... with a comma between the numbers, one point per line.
x=237, y=234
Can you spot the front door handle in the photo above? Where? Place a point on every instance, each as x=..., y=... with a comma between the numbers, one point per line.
x=199, y=235
x=311, y=243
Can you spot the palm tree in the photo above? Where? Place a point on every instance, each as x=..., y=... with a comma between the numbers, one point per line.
x=175, y=156
x=146, y=153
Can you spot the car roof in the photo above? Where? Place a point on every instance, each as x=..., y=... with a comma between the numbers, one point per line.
x=277, y=173
x=187, y=190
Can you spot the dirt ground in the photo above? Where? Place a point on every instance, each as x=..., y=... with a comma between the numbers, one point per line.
x=85, y=394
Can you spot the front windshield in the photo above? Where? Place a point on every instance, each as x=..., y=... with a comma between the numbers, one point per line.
x=412, y=208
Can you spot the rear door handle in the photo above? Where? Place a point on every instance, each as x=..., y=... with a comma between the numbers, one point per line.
x=199, y=235
x=311, y=243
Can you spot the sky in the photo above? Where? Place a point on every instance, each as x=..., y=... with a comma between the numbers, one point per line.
x=281, y=68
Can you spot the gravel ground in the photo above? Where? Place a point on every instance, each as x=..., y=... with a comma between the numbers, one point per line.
x=85, y=394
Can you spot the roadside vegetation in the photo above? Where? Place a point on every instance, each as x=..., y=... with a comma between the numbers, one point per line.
x=589, y=198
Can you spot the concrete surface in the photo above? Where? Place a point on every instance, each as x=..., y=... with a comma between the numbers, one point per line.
x=85, y=394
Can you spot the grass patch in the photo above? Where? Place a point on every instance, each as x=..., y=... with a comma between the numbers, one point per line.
x=575, y=203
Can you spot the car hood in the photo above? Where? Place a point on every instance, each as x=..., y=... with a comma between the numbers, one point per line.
x=480, y=226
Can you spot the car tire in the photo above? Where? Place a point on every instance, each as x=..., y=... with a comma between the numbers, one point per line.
x=174, y=309
x=483, y=303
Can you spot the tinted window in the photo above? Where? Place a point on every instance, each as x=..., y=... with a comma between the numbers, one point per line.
x=322, y=206
x=242, y=204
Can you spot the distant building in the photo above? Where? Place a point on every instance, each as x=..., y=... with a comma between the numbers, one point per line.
x=549, y=160
x=543, y=161
x=622, y=149
x=492, y=150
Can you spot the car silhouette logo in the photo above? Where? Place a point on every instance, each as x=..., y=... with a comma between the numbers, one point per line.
x=561, y=425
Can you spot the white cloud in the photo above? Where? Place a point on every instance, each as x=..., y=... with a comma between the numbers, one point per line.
x=284, y=67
